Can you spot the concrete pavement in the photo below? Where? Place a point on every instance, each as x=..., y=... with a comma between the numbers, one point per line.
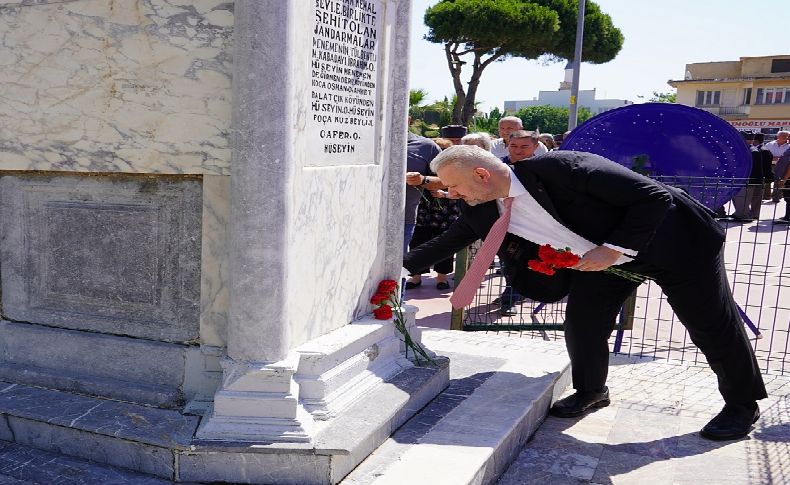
x=649, y=434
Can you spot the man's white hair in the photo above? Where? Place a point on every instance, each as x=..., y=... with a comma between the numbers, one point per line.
x=479, y=139
x=512, y=118
x=468, y=156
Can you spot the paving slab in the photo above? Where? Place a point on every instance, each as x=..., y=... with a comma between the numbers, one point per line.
x=652, y=436
x=500, y=390
x=24, y=465
x=133, y=422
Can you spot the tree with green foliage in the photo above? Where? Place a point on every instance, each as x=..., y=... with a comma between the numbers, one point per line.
x=664, y=97
x=416, y=97
x=493, y=30
x=488, y=123
x=428, y=118
x=549, y=119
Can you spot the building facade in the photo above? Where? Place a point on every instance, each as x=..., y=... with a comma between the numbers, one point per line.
x=561, y=98
x=752, y=94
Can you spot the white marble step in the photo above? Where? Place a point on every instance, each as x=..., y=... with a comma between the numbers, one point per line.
x=22, y=465
x=500, y=391
x=117, y=433
x=161, y=442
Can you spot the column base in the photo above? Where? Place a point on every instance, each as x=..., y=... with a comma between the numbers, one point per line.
x=318, y=381
x=258, y=402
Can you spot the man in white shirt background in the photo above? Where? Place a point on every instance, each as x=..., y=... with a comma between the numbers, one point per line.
x=777, y=148
x=508, y=125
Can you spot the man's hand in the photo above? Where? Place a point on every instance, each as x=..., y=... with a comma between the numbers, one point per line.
x=598, y=259
x=413, y=178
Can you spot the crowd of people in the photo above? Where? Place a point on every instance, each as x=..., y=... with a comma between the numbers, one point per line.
x=766, y=181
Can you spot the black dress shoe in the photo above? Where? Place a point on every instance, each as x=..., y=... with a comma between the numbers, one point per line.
x=733, y=422
x=580, y=402
x=412, y=285
x=442, y=285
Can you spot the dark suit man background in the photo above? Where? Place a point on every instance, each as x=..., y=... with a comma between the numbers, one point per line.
x=610, y=215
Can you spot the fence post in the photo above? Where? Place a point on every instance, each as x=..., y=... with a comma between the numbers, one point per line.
x=461, y=263
x=626, y=320
x=628, y=312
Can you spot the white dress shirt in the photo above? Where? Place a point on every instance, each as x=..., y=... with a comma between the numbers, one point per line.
x=776, y=149
x=529, y=220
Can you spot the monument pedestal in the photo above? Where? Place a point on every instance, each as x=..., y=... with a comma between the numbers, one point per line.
x=258, y=402
x=320, y=380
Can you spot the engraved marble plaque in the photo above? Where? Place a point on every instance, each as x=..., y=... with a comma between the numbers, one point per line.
x=117, y=255
x=344, y=77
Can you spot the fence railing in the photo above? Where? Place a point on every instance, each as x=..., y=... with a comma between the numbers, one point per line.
x=757, y=259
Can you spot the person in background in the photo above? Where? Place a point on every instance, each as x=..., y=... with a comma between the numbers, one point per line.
x=434, y=216
x=749, y=199
x=443, y=143
x=483, y=140
x=419, y=153
x=778, y=148
x=508, y=125
x=560, y=139
x=454, y=133
x=523, y=144
x=782, y=174
x=548, y=140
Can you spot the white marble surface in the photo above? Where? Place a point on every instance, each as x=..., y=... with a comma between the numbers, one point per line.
x=109, y=86
x=333, y=248
x=345, y=227
x=214, y=261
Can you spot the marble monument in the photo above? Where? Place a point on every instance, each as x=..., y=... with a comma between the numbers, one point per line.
x=197, y=200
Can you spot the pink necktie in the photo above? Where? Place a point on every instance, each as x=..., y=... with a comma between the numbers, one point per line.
x=465, y=292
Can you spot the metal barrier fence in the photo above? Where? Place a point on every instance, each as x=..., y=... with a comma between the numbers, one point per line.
x=757, y=258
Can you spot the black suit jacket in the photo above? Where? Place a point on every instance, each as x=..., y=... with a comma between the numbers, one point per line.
x=601, y=201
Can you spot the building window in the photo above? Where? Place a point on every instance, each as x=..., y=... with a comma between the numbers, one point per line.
x=747, y=96
x=708, y=98
x=772, y=96
x=780, y=65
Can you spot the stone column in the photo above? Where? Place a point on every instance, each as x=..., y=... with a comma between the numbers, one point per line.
x=317, y=186
x=258, y=399
x=260, y=179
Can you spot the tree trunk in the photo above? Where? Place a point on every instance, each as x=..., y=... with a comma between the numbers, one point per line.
x=464, y=107
x=454, y=63
x=471, y=93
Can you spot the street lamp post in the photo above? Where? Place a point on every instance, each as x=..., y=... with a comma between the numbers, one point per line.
x=573, y=109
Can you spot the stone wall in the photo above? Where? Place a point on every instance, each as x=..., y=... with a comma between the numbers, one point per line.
x=116, y=85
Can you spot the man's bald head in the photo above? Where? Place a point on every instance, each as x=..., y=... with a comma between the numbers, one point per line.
x=467, y=156
x=472, y=174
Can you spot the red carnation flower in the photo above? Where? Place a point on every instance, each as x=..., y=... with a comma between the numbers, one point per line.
x=547, y=253
x=566, y=259
x=540, y=267
x=384, y=312
x=387, y=286
x=379, y=298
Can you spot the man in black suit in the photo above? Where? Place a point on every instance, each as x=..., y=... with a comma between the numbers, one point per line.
x=611, y=216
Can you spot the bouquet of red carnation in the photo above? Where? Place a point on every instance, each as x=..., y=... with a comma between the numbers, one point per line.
x=387, y=304
x=550, y=259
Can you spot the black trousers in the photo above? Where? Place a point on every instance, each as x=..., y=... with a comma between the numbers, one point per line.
x=423, y=234
x=703, y=302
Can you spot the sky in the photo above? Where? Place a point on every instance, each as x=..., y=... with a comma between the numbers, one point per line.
x=661, y=37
